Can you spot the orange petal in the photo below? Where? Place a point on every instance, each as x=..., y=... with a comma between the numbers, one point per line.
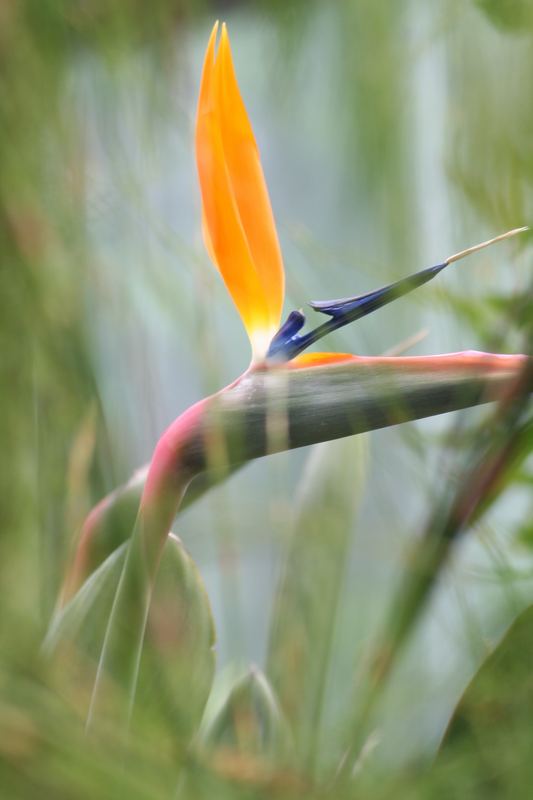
x=469, y=360
x=319, y=359
x=239, y=228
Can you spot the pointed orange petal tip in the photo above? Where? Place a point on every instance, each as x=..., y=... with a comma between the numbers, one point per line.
x=238, y=224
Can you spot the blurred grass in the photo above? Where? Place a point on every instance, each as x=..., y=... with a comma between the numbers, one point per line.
x=392, y=134
x=302, y=632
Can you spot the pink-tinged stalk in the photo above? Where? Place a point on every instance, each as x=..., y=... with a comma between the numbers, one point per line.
x=168, y=476
x=83, y=562
x=312, y=405
x=170, y=472
x=172, y=468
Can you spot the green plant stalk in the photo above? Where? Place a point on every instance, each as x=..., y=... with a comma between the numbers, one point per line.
x=321, y=403
x=266, y=411
x=111, y=522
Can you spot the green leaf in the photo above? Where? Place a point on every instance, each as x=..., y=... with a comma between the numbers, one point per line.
x=249, y=720
x=308, y=594
x=178, y=660
x=513, y=16
x=491, y=726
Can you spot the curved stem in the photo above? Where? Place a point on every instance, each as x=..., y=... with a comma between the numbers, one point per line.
x=169, y=474
x=319, y=403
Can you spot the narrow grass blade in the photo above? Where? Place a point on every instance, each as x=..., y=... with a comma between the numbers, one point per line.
x=307, y=597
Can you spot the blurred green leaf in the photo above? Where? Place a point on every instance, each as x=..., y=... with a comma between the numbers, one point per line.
x=249, y=720
x=178, y=659
x=524, y=534
x=509, y=15
x=491, y=725
x=308, y=594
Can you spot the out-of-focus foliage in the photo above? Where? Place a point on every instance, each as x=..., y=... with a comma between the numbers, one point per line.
x=495, y=710
x=249, y=721
x=510, y=15
x=178, y=661
x=394, y=134
x=302, y=635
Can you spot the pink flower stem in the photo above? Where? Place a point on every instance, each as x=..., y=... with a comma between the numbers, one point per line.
x=170, y=472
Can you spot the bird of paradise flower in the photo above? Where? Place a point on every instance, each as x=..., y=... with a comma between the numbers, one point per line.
x=321, y=395
x=240, y=234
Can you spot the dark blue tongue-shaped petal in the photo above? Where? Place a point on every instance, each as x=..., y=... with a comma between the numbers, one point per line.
x=352, y=308
x=289, y=342
x=287, y=333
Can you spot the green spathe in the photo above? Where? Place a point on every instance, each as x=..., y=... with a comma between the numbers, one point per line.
x=271, y=410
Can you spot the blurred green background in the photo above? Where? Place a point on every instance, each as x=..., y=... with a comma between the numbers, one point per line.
x=392, y=135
